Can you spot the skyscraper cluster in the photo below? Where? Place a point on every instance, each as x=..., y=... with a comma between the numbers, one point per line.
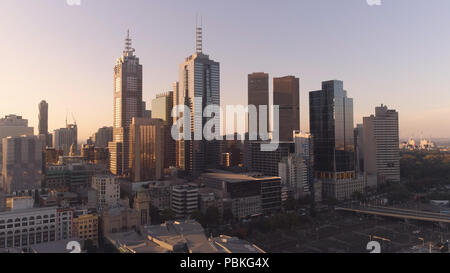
x=139, y=157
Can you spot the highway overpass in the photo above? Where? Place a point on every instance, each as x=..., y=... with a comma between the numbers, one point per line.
x=398, y=213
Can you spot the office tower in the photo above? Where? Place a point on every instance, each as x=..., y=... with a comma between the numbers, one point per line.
x=381, y=146
x=43, y=123
x=22, y=163
x=266, y=162
x=359, y=148
x=147, y=137
x=127, y=104
x=64, y=138
x=296, y=170
x=108, y=190
x=304, y=147
x=162, y=109
x=294, y=175
x=199, y=79
x=258, y=94
x=43, y=117
x=102, y=137
x=184, y=200
x=286, y=94
x=13, y=126
x=179, y=159
x=331, y=124
x=146, y=113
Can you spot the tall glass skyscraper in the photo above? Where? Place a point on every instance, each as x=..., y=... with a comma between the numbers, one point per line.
x=199, y=78
x=127, y=104
x=43, y=123
x=331, y=124
x=286, y=94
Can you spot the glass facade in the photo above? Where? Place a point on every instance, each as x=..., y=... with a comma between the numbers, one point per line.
x=331, y=124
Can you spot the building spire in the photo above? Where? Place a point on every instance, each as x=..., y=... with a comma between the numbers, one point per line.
x=128, y=49
x=199, y=36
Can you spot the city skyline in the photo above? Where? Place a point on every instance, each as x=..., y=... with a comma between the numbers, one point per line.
x=393, y=71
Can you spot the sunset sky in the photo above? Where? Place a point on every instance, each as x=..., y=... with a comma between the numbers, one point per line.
x=397, y=54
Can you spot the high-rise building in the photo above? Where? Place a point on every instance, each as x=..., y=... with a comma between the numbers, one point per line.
x=258, y=94
x=296, y=170
x=184, y=200
x=64, y=138
x=102, y=137
x=199, y=86
x=331, y=124
x=13, y=126
x=22, y=163
x=381, y=146
x=146, y=113
x=359, y=148
x=286, y=94
x=266, y=162
x=43, y=123
x=127, y=104
x=147, y=137
x=162, y=109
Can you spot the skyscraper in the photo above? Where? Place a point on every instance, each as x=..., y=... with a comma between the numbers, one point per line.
x=13, y=126
x=147, y=137
x=258, y=93
x=43, y=123
x=22, y=163
x=162, y=109
x=199, y=79
x=286, y=94
x=43, y=117
x=331, y=124
x=64, y=138
x=127, y=104
x=381, y=146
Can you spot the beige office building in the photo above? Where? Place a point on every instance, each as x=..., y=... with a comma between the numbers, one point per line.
x=147, y=149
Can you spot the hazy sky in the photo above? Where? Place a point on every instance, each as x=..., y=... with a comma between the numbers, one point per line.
x=397, y=54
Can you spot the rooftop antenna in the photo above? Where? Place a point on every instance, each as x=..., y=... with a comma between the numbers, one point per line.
x=199, y=35
x=74, y=120
x=128, y=48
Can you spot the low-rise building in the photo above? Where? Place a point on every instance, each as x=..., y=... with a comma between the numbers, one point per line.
x=108, y=190
x=22, y=227
x=85, y=227
x=119, y=219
